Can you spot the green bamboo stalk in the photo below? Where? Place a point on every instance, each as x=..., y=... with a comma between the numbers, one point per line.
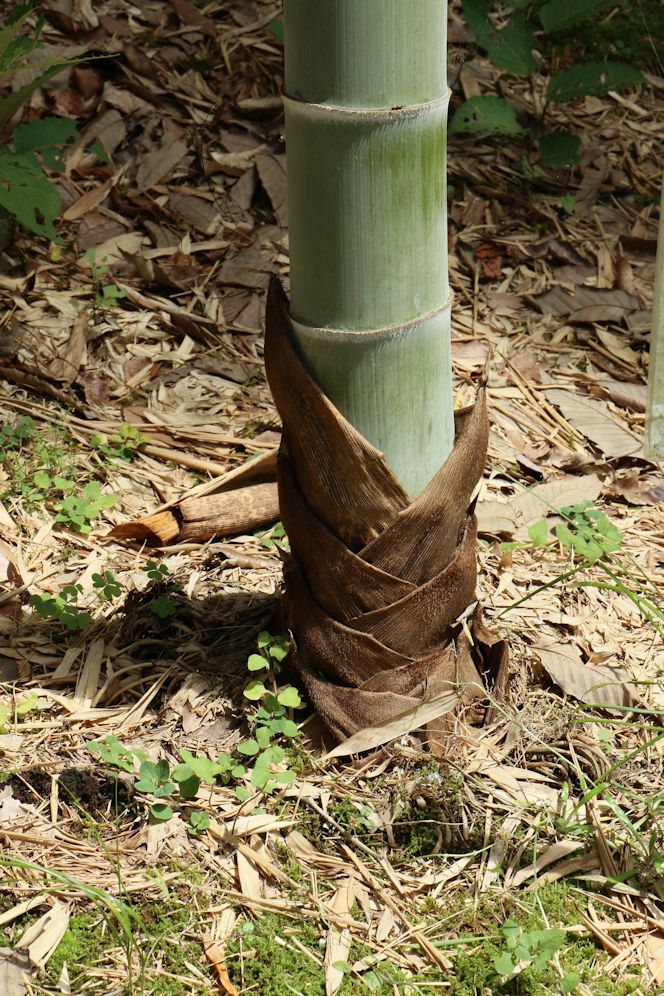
x=655, y=408
x=366, y=108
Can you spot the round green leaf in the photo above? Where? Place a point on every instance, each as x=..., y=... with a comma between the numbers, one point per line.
x=254, y=691
x=256, y=662
x=289, y=697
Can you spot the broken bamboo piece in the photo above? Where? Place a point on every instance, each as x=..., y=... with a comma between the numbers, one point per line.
x=199, y=519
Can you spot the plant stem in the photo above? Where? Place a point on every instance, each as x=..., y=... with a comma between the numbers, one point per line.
x=366, y=108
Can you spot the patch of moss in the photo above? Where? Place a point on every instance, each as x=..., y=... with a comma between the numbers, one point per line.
x=258, y=962
x=417, y=833
x=359, y=822
x=474, y=970
x=83, y=945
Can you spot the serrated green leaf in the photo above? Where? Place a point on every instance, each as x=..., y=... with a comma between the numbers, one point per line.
x=485, y=114
x=557, y=15
x=512, y=48
x=242, y=793
x=591, y=78
x=560, y=149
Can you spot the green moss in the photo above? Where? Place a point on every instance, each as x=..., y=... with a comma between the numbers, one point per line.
x=82, y=946
x=417, y=833
x=552, y=906
x=258, y=962
x=361, y=823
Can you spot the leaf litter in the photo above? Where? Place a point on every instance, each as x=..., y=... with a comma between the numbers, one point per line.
x=187, y=208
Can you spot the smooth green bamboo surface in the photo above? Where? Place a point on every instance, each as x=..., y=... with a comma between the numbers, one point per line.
x=411, y=363
x=366, y=110
x=365, y=53
x=655, y=408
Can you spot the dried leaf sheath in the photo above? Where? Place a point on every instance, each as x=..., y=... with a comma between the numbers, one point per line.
x=377, y=581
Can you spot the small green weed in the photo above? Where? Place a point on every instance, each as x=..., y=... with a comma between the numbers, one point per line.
x=535, y=947
x=107, y=586
x=106, y=295
x=18, y=710
x=163, y=606
x=510, y=42
x=41, y=472
x=276, y=538
x=77, y=512
x=258, y=763
x=588, y=533
x=62, y=608
x=121, y=445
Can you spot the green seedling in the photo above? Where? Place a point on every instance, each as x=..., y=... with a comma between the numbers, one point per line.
x=156, y=572
x=511, y=43
x=77, y=513
x=198, y=822
x=121, y=445
x=155, y=779
x=62, y=608
x=113, y=752
x=14, y=437
x=536, y=948
x=19, y=710
x=107, y=586
x=107, y=295
x=276, y=539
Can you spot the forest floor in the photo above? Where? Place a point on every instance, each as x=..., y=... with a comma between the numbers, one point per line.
x=132, y=377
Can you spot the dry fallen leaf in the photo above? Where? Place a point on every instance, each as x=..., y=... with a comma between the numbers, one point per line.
x=14, y=971
x=406, y=722
x=215, y=956
x=593, y=419
x=593, y=684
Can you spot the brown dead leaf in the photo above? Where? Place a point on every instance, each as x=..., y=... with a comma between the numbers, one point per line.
x=272, y=174
x=338, y=941
x=495, y=518
x=625, y=395
x=406, y=722
x=593, y=684
x=189, y=15
x=43, y=936
x=546, y=499
x=14, y=972
x=65, y=368
x=585, y=304
x=636, y=490
x=159, y=163
x=592, y=418
x=215, y=955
